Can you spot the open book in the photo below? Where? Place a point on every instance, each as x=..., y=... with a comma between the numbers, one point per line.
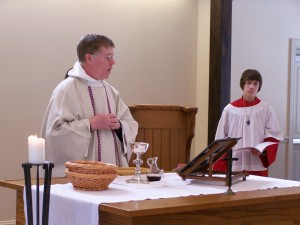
x=260, y=147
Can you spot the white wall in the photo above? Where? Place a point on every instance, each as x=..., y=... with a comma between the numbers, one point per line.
x=261, y=31
x=202, y=75
x=156, y=48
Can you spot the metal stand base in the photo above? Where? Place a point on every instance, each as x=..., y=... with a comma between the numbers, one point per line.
x=137, y=179
x=47, y=166
x=229, y=172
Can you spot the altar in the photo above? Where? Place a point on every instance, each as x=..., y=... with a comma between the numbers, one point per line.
x=258, y=200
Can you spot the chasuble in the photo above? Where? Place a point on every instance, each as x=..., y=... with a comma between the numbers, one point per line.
x=66, y=126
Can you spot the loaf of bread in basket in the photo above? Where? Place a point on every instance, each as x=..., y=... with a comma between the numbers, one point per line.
x=125, y=171
x=90, y=175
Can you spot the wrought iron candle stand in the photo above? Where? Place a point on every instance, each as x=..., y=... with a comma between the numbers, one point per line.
x=47, y=166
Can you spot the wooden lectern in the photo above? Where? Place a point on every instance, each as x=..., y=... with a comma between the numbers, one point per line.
x=169, y=129
x=201, y=167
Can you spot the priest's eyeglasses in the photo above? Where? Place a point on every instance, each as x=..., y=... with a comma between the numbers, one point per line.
x=110, y=57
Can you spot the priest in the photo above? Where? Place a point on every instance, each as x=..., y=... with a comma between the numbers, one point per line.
x=86, y=119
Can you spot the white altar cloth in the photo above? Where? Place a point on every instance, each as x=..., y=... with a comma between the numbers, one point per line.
x=69, y=206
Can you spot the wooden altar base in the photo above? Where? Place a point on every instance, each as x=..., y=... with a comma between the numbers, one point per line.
x=276, y=206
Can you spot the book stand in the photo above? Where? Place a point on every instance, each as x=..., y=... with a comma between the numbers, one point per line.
x=201, y=167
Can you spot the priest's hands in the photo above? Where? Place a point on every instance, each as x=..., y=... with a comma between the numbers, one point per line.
x=104, y=122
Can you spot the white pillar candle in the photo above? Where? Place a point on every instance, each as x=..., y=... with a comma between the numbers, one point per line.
x=36, y=149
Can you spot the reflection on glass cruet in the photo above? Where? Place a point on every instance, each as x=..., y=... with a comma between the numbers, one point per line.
x=153, y=173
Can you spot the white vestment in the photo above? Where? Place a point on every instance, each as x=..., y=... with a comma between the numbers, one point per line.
x=66, y=126
x=263, y=124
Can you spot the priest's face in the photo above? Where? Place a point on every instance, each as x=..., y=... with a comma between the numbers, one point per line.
x=250, y=89
x=99, y=65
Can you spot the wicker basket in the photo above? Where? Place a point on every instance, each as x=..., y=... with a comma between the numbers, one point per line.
x=90, y=175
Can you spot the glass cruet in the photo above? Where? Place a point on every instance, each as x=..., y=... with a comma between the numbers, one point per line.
x=153, y=173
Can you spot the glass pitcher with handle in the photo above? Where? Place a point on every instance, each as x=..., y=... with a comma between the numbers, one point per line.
x=153, y=173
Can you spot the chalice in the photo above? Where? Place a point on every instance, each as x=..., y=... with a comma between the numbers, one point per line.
x=138, y=148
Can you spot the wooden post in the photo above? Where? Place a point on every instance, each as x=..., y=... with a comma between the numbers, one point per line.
x=220, y=62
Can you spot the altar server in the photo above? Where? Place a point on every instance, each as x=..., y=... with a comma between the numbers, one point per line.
x=255, y=122
x=86, y=118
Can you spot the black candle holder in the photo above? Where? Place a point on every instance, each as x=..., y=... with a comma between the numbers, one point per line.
x=47, y=166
